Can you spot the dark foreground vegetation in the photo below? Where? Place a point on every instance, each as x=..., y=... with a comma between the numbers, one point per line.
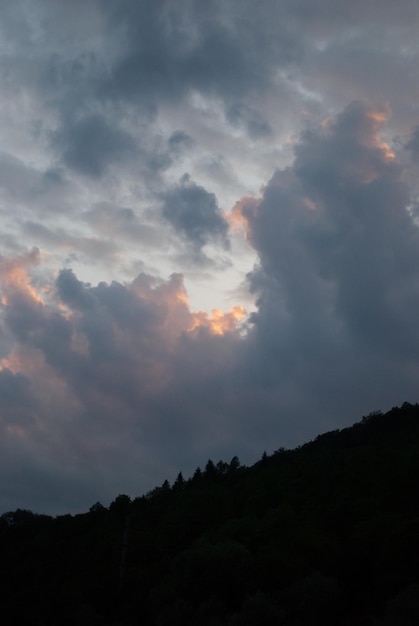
x=324, y=534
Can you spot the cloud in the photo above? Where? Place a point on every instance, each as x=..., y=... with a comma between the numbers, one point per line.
x=211, y=49
x=132, y=369
x=194, y=213
x=242, y=115
x=116, y=380
x=31, y=189
x=413, y=145
x=93, y=248
x=89, y=145
x=115, y=363
x=124, y=224
x=16, y=400
x=337, y=283
x=179, y=141
x=15, y=277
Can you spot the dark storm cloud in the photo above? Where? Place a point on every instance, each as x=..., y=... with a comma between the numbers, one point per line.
x=338, y=277
x=195, y=214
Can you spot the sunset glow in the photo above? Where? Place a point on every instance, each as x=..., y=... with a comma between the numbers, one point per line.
x=218, y=323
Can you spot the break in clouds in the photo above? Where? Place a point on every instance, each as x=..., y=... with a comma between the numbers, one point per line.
x=209, y=235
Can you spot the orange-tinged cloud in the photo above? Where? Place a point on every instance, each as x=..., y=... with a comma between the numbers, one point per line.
x=11, y=363
x=379, y=117
x=327, y=123
x=309, y=204
x=15, y=277
x=370, y=169
x=29, y=361
x=172, y=295
x=376, y=117
x=218, y=323
x=138, y=357
x=387, y=152
x=237, y=218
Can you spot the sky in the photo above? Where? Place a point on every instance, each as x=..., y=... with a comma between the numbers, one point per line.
x=209, y=238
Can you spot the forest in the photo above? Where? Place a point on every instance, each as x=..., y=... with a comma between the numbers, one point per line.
x=327, y=533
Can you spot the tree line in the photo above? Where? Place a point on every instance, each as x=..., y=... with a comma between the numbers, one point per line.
x=325, y=533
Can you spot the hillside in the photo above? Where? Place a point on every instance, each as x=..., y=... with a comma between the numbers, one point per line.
x=327, y=533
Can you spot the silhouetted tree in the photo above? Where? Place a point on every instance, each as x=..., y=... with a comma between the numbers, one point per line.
x=234, y=464
x=120, y=506
x=179, y=482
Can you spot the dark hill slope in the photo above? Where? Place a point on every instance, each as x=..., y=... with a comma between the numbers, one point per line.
x=324, y=534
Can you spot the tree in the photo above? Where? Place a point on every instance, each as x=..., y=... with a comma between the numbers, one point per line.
x=197, y=475
x=210, y=470
x=120, y=507
x=234, y=464
x=179, y=482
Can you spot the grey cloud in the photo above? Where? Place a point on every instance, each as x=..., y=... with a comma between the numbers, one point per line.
x=211, y=49
x=179, y=141
x=123, y=384
x=16, y=399
x=31, y=189
x=334, y=334
x=128, y=370
x=121, y=327
x=108, y=302
x=365, y=66
x=235, y=49
x=107, y=90
x=195, y=214
x=369, y=245
x=124, y=223
x=337, y=282
x=72, y=291
x=90, y=145
x=413, y=144
x=238, y=114
x=155, y=56
x=93, y=248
